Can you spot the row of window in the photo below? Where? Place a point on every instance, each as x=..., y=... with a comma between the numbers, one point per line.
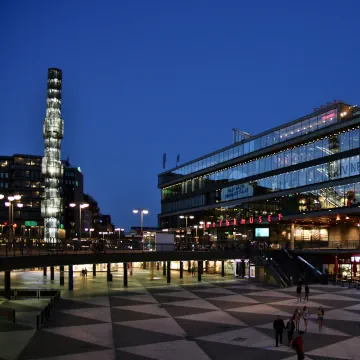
x=315, y=174
x=4, y=175
x=27, y=161
x=4, y=185
x=286, y=133
x=18, y=184
x=321, y=148
x=188, y=203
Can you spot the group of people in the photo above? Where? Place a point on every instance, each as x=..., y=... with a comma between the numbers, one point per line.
x=293, y=325
x=84, y=273
x=299, y=291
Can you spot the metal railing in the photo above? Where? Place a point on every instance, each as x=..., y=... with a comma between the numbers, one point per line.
x=59, y=249
x=43, y=315
x=331, y=244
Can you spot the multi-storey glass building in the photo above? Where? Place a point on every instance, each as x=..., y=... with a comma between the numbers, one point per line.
x=294, y=183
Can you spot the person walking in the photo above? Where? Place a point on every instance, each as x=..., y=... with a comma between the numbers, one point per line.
x=297, y=319
x=298, y=292
x=320, y=317
x=290, y=328
x=307, y=291
x=298, y=345
x=193, y=270
x=306, y=316
x=279, y=327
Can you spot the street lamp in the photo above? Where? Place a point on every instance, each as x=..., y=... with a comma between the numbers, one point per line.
x=81, y=206
x=10, y=205
x=119, y=230
x=186, y=217
x=142, y=213
x=90, y=230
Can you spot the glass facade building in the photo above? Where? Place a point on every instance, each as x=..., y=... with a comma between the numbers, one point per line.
x=307, y=170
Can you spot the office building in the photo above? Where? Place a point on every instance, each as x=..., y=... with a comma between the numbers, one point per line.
x=296, y=184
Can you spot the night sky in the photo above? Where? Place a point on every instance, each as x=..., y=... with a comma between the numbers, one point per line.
x=141, y=78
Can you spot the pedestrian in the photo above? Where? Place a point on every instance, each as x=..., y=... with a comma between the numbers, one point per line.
x=320, y=317
x=298, y=292
x=306, y=316
x=298, y=345
x=193, y=270
x=279, y=327
x=85, y=272
x=290, y=328
x=307, y=291
x=297, y=319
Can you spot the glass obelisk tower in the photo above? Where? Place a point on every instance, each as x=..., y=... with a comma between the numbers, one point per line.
x=52, y=169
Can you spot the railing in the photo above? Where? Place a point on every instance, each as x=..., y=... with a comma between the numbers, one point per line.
x=339, y=245
x=59, y=250
x=44, y=315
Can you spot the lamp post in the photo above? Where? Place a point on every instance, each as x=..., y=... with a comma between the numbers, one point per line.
x=186, y=217
x=81, y=206
x=119, y=230
x=10, y=205
x=142, y=213
x=90, y=230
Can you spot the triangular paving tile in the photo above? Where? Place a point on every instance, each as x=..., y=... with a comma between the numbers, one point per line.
x=260, y=309
x=178, y=294
x=13, y=342
x=332, y=297
x=59, y=318
x=152, y=309
x=72, y=304
x=235, y=352
x=292, y=289
x=93, y=355
x=19, y=307
x=347, y=327
x=217, y=317
x=100, y=334
x=6, y=326
x=131, y=300
x=173, y=350
x=353, y=307
x=254, y=319
x=295, y=304
x=271, y=293
x=56, y=345
x=343, y=315
x=120, y=315
x=123, y=355
x=236, y=298
x=100, y=300
x=199, y=303
x=182, y=310
x=295, y=357
x=162, y=289
x=347, y=349
x=100, y=314
x=220, y=291
x=125, y=336
x=248, y=287
x=225, y=305
x=248, y=337
x=196, y=329
x=313, y=327
x=347, y=292
x=165, y=326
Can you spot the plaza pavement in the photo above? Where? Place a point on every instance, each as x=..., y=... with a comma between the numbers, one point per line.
x=219, y=318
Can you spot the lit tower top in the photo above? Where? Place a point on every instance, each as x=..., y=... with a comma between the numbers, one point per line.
x=52, y=170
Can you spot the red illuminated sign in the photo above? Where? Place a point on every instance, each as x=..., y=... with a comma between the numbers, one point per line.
x=251, y=220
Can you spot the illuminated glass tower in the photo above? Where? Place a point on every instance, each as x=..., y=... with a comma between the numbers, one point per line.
x=52, y=169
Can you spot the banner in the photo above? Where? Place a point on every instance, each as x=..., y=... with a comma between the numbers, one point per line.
x=237, y=192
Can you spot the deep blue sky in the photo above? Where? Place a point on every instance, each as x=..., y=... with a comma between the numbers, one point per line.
x=145, y=77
